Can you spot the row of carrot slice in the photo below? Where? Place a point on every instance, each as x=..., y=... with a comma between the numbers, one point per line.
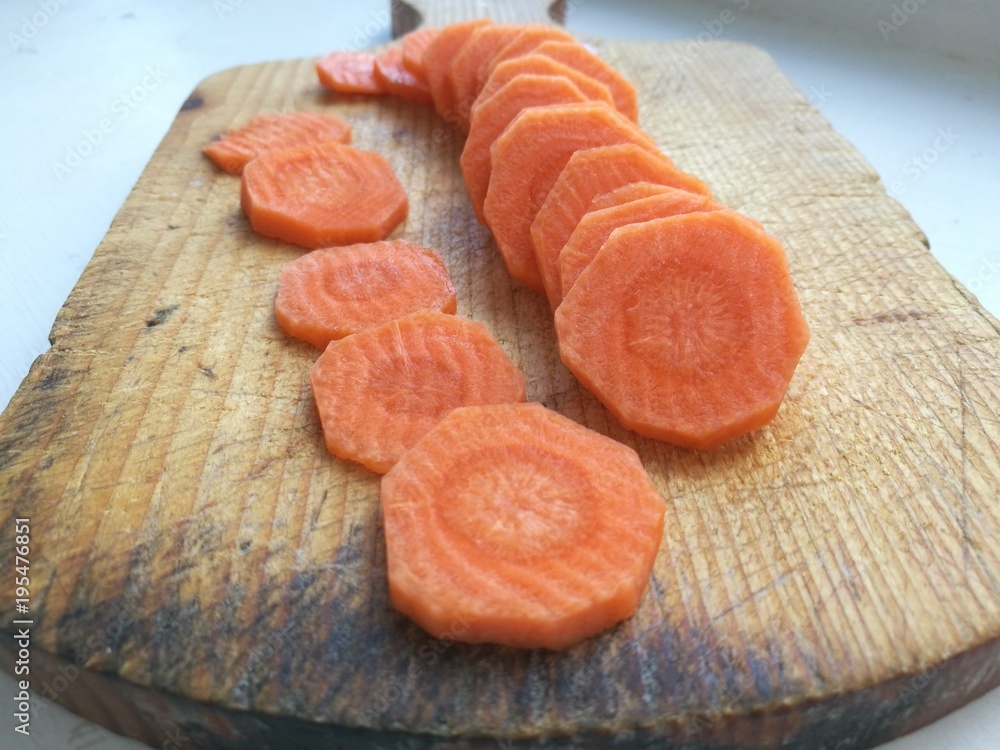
x=406, y=387
x=677, y=313
x=697, y=349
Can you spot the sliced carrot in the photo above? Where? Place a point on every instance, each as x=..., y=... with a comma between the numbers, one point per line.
x=414, y=45
x=491, y=118
x=381, y=390
x=687, y=329
x=514, y=525
x=437, y=63
x=235, y=148
x=349, y=72
x=397, y=80
x=596, y=226
x=526, y=161
x=321, y=195
x=575, y=55
x=540, y=65
x=482, y=44
x=589, y=173
x=335, y=292
x=626, y=193
x=524, y=42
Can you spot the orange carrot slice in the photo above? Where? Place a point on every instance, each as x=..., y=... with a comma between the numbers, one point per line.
x=321, y=195
x=349, y=72
x=575, y=55
x=397, y=80
x=331, y=293
x=687, y=329
x=437, y=63
x=512, y=524
x=491, y=118
x=234, y=149
x=589, y=173
x=415, y=44
x=540, y=65
x=381, y=390
x=596, y=226
x=482, y=44
x=626, y=193
x=526, y=161
x=524, y=42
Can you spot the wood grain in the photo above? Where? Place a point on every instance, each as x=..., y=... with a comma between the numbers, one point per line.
x=830, y=581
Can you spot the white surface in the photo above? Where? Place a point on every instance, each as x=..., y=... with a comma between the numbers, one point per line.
x=915, y=85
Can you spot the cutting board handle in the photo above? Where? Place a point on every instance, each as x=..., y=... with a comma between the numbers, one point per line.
x=408, y=15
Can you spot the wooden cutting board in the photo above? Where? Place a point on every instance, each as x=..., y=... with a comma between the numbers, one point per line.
x=201, y=565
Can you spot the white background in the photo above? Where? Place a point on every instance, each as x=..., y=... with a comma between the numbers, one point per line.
x=914, y=84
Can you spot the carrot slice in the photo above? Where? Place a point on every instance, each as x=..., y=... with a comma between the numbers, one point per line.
x=540, y=65
x=491, y=118
x=349, y=72
x=476, y=52
x=526, y=161
x=324, y=194
x=687, y=329
x=575, y=55
x=396, y=80
x=235, y=148
x=524, y=42
x=381, y=390
x=437, y=63
x=334, y=292
x=589, y=173
x=415, y=44
x=627, y=193
x=596, y=226
x=514, y=525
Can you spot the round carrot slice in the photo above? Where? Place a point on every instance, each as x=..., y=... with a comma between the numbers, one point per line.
x=589, y=173
x=524, y=42
x=688, y=328
x=482, y=44
x=331, y=293
x=349, y=72
x=321, y=195
x=437, y=63
x=627, y=193
x=596, y=226
x=381, y=390
x=525, y=163
x=415, y=44
x=233, y=150
x=491, y=117
x=514, y=525
x=577, y=56
x=540, y=65
x=397, y=80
